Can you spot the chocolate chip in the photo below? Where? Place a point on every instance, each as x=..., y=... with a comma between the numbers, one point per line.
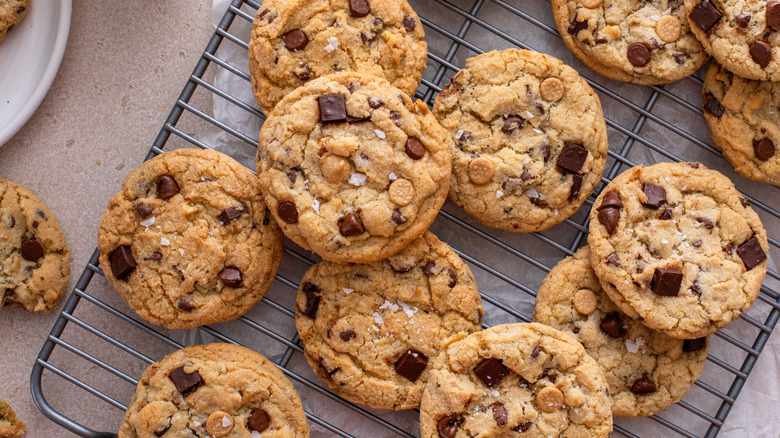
x=262, y=14
x=359, y=8
x=575, y=330
x=411, y=365
x=11, y=222
x=378, y=22
x=613, y=260
x=705, y=15
x=353, y=120
x=144, y=210
x=609, y=217
x=365, y=38
x=712, y=105
x=525, y=177
x=576, y=26
x=764, y=148
x=666, y=282
x=333, y=108
x=576, y=185
x=511, y=123
x=612, y=324
x=643, y=386
x=232, y=213
x=694, y=344
x=166, y=187
x=600, y=41
x=292, y=176
x=490, y=371
x=35, y=224
x=665, y=214
x=287, y=212
x=656, y=196
x=499, y=413
x=522, y=427
x=572, y=158
x=350, y=225
x=155, y=257
x=706, y=222
x=539, y=202
x=185, y=305
x=122, y=262
x=638, y=54
x=742, y=19
x=773, y=15
x=312, y=300
x=295, y=40
x=375, y=102
x=465, y=137
x=31, y=250
x=185, y=382
x=761, y=53
x=259, y=420
x=414, y=148
x=231, y=276
x=397, y=217
x=611, y=200
x=729, y=248
x=160, y=431
x=745, y=203
x=680, y=58
x=428, y=267
x=751, y=253
x=304, y=73
x=453, y=278
x=695, y=287
x=347, y=335
x=395, y=117
x=448, y=426
x=547, y=152
x=409, y=24
x=549, y=374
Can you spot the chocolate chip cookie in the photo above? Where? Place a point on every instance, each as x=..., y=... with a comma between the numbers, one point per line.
x=188, y=240
x=214, y=390
x=295, y=41
x=10, y=426
x=676, y=245
x=11, y=13
x=644, y=42
x=740, y=34
x=515, y=378
x=352, y=169
x=528, y=139
x=369, y=331
x=742, y=115
x=33, y=252
x=647, y=371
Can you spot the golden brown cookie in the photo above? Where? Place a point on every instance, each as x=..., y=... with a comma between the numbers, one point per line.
x=11, y=13
x=10, y=426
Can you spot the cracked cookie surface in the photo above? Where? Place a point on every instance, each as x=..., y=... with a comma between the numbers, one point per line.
x=10, y=426
x=352, y=169
x=528, y=139
x=188, y=240
x=214, y=390
x=33, y=251
x=515, y=380
x=677, y=245
x=370, y=330
x=647, y=371
x=11, y=13
x=294, y=41
x=743, y=116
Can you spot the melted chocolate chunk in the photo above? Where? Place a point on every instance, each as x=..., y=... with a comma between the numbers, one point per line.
x=295, y=40
x=350, y=225
x=185, y=305
x=398, y=218
x=512, y=122
x=333, y=108
x=742, y=19
x=761, y=53
x=644, y=386
x=231, y=276
x=638, y=54
x=359, y=8
x=122, y=262
x=705, y=15
x=609, y=217
x=144, y=210
x=576, y=26
x=656, y=196
x=185, y=383
x=312, y=300
x=231, y=213
x=409, y=24
x=706, y=222
x=347, y=335
x=304, y=73
x=536, y=351
x=612, y=324
x=259, y=420
x=665, y=214
x=712, y=105
x=155, y=257
x=572, y=158
x=522, y=427
x=611, y=200
x=539, y=202
x=287, y=212
x=411, y=364
x=694, y=344
x=666, y=282
x=751, y=253
x=166, y=187
x=448, y=426
x=490, y=371
x=428, y=267
x=375, y=102
x=773, y=15
x=613, y=259
x=499, y=413
x=414, y=148
x=576, y=185
x=32, y=250
x=764, y=148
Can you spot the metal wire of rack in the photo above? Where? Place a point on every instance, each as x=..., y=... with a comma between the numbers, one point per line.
x=508, y=267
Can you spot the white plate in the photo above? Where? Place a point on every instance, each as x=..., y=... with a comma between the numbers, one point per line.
x=30, y=56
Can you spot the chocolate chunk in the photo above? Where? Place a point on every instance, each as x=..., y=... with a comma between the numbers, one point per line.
x=511, y=123
x=453, y=277
x=638, y=54
x=539, y=202
x=304, y=73
x=11, y=222
x=656, y=196
x=144, y=210
x=375, y=102
x=572, y=158
x=666, y=282
x=665, y=214
x=414, y=148
x=409, y=24
x=312, y=300
x=706, y=222
x=231, y=276
x=576, y=26
x=729, y=248
x=287, y=212
x=693, y=165
x=525, y=177
x=680, y=58
x=347, y=335
x=428, y=267
x=611, y=200
x=490, y=371
x=353, y=120
x=695, y=287
x=696, y=243
x=232, y=213
x=751, y=253
x=522, y=427
x=613, y=260
x=705, y=15
x=743, y=19
x=536, y=351
x=499, y=413
x=166, y=187
x=185, y=382
x=262, y=14
x=600, y=41
x=122, y=262
x=295, y=40
x=694, y=344
x=395, y=117
x=745, y=203
x=333, y=108
x=773, y=15
x=643, y=386
x=155, y=257
x=465, y=137
x=359, y=8
x=378, y=22
x=160, y=431
x=411, y=365
x=609, y=217
x=259, y=420
x=32, y=250
x=612, y=324
x=549, y=374
x=712, y=105
x=576, y=185
x=185, y=305
x=292, y=176
x=764, y=148
x=397, y=217
x=350, y=225
x=448, y=426
x=761, y=53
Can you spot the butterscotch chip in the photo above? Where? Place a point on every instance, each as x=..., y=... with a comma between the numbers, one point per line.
x=549, y=399
x=590, y=4
x=585, y=301
x=481, y=170
x=219, y=424
x=401, y=192
x=668, y=28
x=335, y=169
x=552, y=89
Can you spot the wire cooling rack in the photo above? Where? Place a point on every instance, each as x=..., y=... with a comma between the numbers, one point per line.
x=98, y=339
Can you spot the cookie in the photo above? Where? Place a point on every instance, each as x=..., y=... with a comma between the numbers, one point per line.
x=647, y=371
x=528, y=139
x=33, y=251
x=739, y=34
x=744, y=122
x=10, y=426
x=11, y=13
x=352, y=169
x=188, y=240
x=635, y=41
x=525, y=378
x=295, y=41
x=214, y=390
x=370, y=330
x=676, y=245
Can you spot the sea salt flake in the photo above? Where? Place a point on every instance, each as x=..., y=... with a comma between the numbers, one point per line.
x=494, y=393
x=532, y=193
x=379, y=133
x=333, y=44
x=459, y=134
x=633, y=345
x=196, y=423
x=256, y=434
x=226, y=422
x=392, y=176
x=388, y=305
x=664, y=241
x=347, y=290
x=499, y=194
x=376, y=329
x=378, y=318
x=316, y=205
x=149, y=222
x=409, y=310
x=164, y=241
x=357, y=179
x=556, y=212
x=538, y=131
x=527, y=160
x=181, y=251
x=528, y=114
x=655, y=17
